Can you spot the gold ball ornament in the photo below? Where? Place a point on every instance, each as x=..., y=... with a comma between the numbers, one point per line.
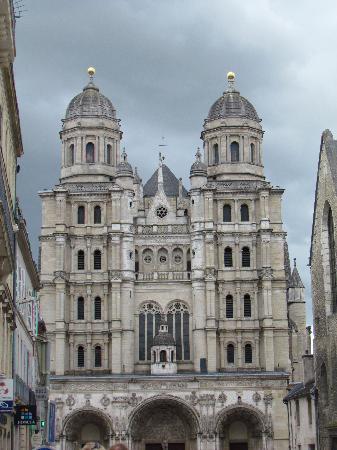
x=230, y=76
x=91, y=71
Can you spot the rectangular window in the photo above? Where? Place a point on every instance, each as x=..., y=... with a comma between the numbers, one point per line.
x=149, y=326
x=298, y=419
x=309, y=410
x=142, y=337
x=178, y=336
x=186, y=334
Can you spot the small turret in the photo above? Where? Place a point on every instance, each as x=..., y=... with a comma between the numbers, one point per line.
x=124, y=172
x=198, y=172
x=163, y=352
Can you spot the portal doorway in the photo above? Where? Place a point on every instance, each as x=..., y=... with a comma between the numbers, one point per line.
x=238, y=446
x=170, y=446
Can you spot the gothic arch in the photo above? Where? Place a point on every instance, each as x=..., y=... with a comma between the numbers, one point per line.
x=142, y=306
x=183, y=303
x=180, y=408
x=77, y=420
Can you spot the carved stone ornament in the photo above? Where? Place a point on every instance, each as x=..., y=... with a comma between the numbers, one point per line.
x=256, y=398
x=87, y=399
x=70, y=401
x=266, y=273
x=105, y=401
x=192, y=399
x=268, y=398
x=134, y=400
x=210, y=274
x=115, y=275
x=222, y=398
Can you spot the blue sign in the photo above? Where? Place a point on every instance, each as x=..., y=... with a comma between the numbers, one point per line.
x=6, y=406
x=25, y=415
x=51, y=422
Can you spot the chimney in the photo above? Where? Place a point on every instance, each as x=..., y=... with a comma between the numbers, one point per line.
x=308, y=368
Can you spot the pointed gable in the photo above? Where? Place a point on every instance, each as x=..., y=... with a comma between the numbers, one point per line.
x=170, y=182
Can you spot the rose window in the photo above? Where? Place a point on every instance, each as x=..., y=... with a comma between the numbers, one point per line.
x=161, y=212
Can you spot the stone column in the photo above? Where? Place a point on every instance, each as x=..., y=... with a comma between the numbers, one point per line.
x=199, y=323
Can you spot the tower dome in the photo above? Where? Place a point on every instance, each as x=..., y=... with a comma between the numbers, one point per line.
x=232, y=104
x=90, y=103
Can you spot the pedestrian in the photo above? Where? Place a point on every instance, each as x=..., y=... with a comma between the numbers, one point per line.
x=118, y=446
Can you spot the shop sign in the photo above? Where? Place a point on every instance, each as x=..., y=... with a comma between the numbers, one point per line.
x=25, y=415
x=6, y=395
x=41, y=393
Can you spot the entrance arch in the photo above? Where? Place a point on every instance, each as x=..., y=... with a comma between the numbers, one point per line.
x=163, y=422
x=242, y=427
x=86, y=425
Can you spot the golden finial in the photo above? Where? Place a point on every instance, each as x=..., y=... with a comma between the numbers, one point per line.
x=91, y=72
x=230, y=76
x=231, y=79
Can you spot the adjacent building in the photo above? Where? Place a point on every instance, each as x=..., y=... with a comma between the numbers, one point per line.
x=10, y=150
x=324, y=291
x=196, y=280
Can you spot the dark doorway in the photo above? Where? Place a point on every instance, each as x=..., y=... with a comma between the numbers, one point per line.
x=238, y=446
x=171, y=446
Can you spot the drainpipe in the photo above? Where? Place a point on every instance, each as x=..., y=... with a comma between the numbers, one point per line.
x=287, y=405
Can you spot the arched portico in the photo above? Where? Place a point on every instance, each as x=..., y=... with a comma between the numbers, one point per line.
x=85, y=425
x=243, y=427
x=163, y=423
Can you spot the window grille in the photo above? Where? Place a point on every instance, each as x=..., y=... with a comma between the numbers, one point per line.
x=80, y=260
x=247, y=306
x=245, y=257
x=97, y=214
x=228, y=257
x=229, y=307
x=248, y=354
x=98, y=356
x=80, y=356
x=80, y=308
x=97, y=260
x=98, y=309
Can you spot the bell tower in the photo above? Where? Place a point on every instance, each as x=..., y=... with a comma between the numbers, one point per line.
x=232, y=137
x=90, y=136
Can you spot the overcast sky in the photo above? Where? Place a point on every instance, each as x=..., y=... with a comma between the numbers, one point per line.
x=163, y=63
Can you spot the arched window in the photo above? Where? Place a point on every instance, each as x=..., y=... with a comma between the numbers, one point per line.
x=80, y=215
x=229, y=307
x=71, y=155
x=215, y=154
x=80, y=260
x=108, y=154
x=323, y=384
x=227, y=213
x=162, y=356
x=149, y=321
x=228, y=257
x=154, y=357
x=235, y=153
x=97, y=214
x=188, y=261
x=177, y=257
x=148, y=258
x=178, y=321
x=98, y=356
x=247, y=306
x=230, y=354
x=98, y=308
x=136, y=261
x=162, y=258
x=97, y=260
x=245, y=257
x=252, y=153
x=80, y=356
x=244, y=210
x=80, y=308
x=248, y=354
x=90, y=152
x=332, y=260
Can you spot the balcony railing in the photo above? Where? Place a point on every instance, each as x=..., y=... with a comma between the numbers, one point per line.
x=160, y=276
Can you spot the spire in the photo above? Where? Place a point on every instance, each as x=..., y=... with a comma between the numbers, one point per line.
x=296, y=281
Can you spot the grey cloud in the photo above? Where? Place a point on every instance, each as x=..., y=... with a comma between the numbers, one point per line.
x=163, y=64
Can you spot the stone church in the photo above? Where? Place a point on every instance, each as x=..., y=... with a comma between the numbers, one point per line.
x=174, y=319
x=324, y=291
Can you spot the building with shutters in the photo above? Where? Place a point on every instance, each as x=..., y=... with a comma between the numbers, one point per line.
x=211, y=262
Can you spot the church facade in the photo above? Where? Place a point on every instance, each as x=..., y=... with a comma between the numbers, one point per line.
x=174, y=319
